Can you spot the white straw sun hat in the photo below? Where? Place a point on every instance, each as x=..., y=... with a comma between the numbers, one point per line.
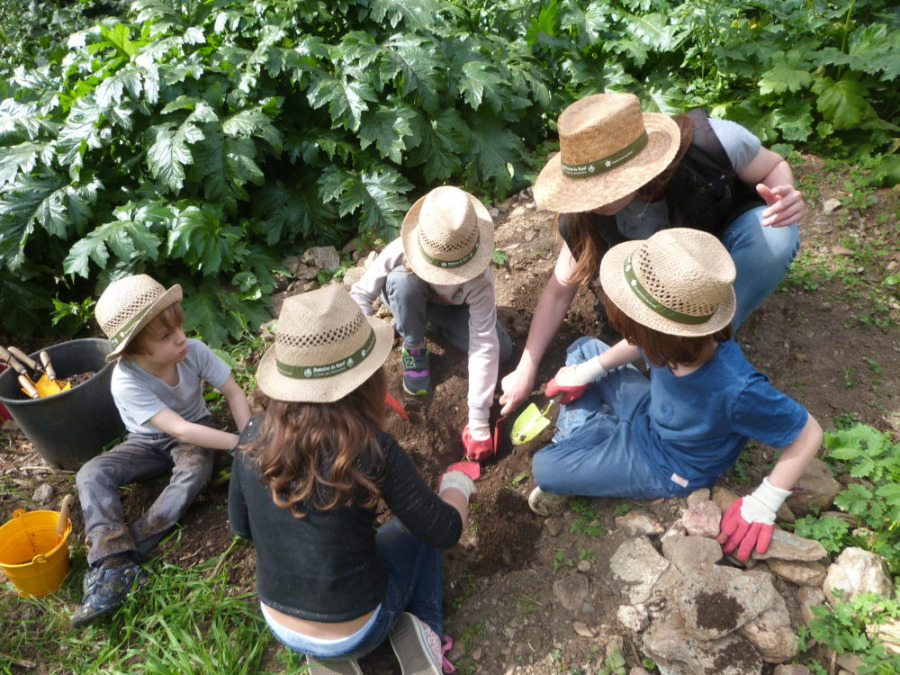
x=608, y=148
x=324, y=348
x=128, y=305
x=448, y=237
x=678, y=282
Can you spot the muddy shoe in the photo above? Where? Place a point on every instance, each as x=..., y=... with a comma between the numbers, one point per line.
x=546, y=504
x=417, y=646
x=416, y=376
x=332, y=667
x=107, y=589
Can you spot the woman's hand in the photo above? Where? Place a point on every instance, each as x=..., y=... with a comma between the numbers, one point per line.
x=786, y=205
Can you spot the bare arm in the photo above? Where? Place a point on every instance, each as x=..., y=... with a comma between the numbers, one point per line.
x=795, y=457
x=170, y=422
x=548, y=317
x=774, y=182
x=237, y=402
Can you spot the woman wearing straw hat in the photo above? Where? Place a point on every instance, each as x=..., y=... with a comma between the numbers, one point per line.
x=312, y=469
x=622, y=175
x=439, y=271
x=622, y=434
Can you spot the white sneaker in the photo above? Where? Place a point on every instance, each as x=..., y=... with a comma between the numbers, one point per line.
x=546, y=504
x=417, y=646
x=332, y=667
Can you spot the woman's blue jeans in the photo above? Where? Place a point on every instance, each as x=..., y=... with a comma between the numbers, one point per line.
x=414, y=586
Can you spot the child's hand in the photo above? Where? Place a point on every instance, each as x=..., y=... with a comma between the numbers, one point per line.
x=747, y=524
x=569, y=393
x=478, y=447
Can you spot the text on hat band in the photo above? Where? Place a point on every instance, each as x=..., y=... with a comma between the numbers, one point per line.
x=607, y=163
x=666, y=312
x=448, y=264
x=328, y=369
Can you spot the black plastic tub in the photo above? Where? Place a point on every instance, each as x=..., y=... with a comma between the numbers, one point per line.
x=69, y=428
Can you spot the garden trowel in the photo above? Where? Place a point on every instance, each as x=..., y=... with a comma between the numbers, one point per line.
x=532, y=422
x=42, y=376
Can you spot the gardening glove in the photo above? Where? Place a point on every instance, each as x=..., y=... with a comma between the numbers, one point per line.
x=458, y=481
x=476, y=438
x=748, y=521
x=569, y=394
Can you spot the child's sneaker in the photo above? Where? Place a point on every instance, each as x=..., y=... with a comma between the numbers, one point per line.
x=416, y=376
x=332, y=667
x=546, y=504
x=106, y=590
x=417, y=646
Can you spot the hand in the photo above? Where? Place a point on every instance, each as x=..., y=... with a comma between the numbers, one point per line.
x=786, y=205
x=569, y=394
x=457, y=480
x=479, y=450
x=517, y=388
x=748, y=521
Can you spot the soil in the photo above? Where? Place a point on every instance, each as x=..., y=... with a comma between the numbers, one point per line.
x=824, y=341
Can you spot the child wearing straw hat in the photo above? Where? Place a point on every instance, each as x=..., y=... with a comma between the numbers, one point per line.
x=621, y=434
x=622, y=174
x=439, y=271
x=312, y=469
x=157, y=385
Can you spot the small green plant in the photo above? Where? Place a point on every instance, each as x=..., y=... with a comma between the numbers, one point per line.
x=849, y=377
x=832, y=533
x=588, y=522
x=621, y=509
x=522, y=477
x=614, y=664
x=561, y=559
x=499, y=257
x=587, y=554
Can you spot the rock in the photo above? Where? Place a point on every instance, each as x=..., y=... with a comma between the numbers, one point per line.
x=771, y=633
x=582, y=629
x=692, y=551
x=677, y=653
x=788, y=546
x=715, y=601
x=829, y=206
x=639, y=523
x=638, y=564
x=572, y=591
x=702, y=518
x=887, y=633
x=816, y=487
x=799, y=573
x=857, y=571
x=807, y=598
x=323, y=257
x=699, y=495
x=44, y=494
x=554, y=526
x=851, y=663
x=633, y=618
x=792, y=669
x=723, y=497
x=352, y=275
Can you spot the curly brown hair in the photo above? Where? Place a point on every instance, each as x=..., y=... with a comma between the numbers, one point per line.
x=322, y=455
x=662, y=349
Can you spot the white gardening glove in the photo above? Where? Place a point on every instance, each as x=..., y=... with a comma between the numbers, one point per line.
x=457, y=480
x=581, y=373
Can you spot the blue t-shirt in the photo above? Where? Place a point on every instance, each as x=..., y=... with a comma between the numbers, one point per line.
x=140, y=395
x=693, y=427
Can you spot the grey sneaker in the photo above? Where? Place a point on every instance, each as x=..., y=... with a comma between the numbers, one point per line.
x=332, y=667
x=107, y=589
x=416, y=375
x=546, y=504
x=417, y=646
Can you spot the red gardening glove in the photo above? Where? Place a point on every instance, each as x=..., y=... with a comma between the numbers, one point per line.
x=569, y=394
x=479, y=451
x=748, y=521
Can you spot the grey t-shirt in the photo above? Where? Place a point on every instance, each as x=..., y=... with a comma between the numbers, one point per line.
x=140, y=395
x=639, y=220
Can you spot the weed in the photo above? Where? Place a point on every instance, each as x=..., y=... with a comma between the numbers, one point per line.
x=614, y=664
x=560, y=560
x=588, y=522
x=522, y=477
x=587, y=554
x=850, y=374
x=499, y=257
x=466, y=587
x=621, y=509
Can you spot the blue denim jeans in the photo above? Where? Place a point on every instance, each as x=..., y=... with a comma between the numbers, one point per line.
x=407, y=296
x=414, y=586
x=762, y=256
x=592, y=453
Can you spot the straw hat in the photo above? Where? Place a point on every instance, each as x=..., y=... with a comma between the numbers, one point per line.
x=678, y=282
x=448, y=237
x=128, y=305
x=324, y=348
x=608, y=148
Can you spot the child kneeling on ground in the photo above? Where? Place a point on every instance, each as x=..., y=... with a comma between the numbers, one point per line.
x=439, y=271
x=157, y=385
x=621, y=434
x=311, y=470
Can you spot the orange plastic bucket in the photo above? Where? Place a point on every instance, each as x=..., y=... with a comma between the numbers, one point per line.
x=31, y=556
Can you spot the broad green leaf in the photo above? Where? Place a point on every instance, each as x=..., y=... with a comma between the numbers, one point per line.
x=118, y=37
x=80, y=132
x=253, y=122
x=387, y=128
x=109, y=92
x=17, y=120
x=377, y=196
x=169, y=151
x=129, y=240
x=411, y=64
x=788, y=74
x=16, y=158
x=495, y=147
x=203, y=312
x=289, y=211
x=202, y=239
x=440, y=145
x=415, y=15
x=843, y=102
x=346, y=98
x=479, y=79
x=874, y=49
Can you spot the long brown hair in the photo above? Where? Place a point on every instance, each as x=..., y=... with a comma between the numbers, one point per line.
x=322, y=455
x=586, y=245
x=662, y=349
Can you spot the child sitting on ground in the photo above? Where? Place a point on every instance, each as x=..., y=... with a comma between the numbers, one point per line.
x=306, y=483
x=439, y=271
x=157, y=385
x=623, y=435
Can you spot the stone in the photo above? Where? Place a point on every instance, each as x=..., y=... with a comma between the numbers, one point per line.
x=692, y=551
x=702, y=518
x=323, y=257
x=887, y=633
x=639, y=523
x=639, y=565
x=633, y=617
x=799, y=573
x=699, y=495
x=807, y=598
x=788, y=546
x=829, y=206
x=352, y=275
x=572, y=591
x=771, y=633
x=44, y=494
x=816, y=488
x=791, y=669
x=857, y=571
